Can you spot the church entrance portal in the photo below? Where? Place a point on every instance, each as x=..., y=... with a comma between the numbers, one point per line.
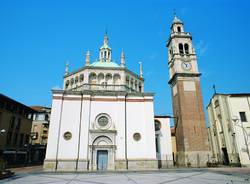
x=102, y=159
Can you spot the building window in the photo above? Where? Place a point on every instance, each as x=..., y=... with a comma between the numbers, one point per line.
x=179, y=29
x=81, y=77
x=18, y=124
x=181, y=48
x=243, y=117
x=103, y=121
x=9, y=136
x=21, y=140
x=15, y=139
x=186, y=48
x=216, y=103
x=12, y=122
x=157, y=125
x=72, y=81
x=76, y=79
x=67, y=136
x=137, y=136
x=27, y=139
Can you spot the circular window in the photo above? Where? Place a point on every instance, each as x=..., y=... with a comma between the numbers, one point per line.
x=103, y=121
x=157, y=125
x=67, y=136
x=137, y=136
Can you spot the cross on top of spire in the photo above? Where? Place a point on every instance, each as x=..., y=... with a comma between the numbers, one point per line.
x=176, y=19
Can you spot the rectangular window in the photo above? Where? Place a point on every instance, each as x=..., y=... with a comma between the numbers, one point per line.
x=9, y=135
x=15, y=139
x=21, y=140
x=243, y=117
x=27, y=139
x=18, y=124
x=12, y=122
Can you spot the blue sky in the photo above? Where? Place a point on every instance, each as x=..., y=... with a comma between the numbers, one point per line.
x=37, y=37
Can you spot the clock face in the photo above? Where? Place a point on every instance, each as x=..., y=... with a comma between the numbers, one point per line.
x=186, y=65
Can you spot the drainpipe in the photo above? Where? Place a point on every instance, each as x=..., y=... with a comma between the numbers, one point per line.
x=58, y=138
x=79, y=138
x=126, y=154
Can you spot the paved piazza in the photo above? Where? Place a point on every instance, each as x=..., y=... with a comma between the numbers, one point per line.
x=158, y=177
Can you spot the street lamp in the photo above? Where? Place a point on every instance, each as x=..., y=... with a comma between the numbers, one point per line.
x=236, y=121
x=2, y=131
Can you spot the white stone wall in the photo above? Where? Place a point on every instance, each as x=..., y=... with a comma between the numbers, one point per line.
x=164, y=135
x=241, y=104
x=52, y=143
x=77, y=114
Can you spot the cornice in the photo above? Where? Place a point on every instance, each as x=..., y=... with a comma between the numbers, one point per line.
x=173, y=79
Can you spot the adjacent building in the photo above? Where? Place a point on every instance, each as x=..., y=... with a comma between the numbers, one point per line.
x=40, y=125
x=229, y=128
x=163, y=142
x=104, y=120
x=15, y=126
x=191, y=135
x=39, y=133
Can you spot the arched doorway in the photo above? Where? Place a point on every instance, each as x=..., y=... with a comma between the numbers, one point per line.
x=102, y=153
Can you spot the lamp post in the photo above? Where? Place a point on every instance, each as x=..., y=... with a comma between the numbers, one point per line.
x=245, y=136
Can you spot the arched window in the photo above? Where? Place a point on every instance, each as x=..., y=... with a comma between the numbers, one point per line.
x=100, y=78
x=170, y=51
x=140, y=87
x=186, y=48
x=76, y=79
x=92, y=78
x=127, y=80
x=181, y=48
x=116, y=79
x=157, y=125
x=81, y=77
x=179, y=29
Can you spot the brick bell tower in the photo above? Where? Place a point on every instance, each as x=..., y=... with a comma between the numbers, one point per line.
x=191, y=135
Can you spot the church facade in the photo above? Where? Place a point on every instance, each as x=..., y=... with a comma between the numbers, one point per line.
x=103, y=120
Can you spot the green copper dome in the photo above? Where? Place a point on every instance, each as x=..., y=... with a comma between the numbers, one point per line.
x=104, y=64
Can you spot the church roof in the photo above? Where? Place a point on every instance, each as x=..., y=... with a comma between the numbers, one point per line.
x=104, y=64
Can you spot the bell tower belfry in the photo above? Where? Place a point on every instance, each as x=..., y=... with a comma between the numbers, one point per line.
x=191, y=134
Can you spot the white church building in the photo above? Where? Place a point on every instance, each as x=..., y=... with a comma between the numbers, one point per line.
x=103, y=120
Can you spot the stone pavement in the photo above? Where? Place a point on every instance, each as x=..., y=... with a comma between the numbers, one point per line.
x=173, y=176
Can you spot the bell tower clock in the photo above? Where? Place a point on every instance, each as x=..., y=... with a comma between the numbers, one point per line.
x=191, y=134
